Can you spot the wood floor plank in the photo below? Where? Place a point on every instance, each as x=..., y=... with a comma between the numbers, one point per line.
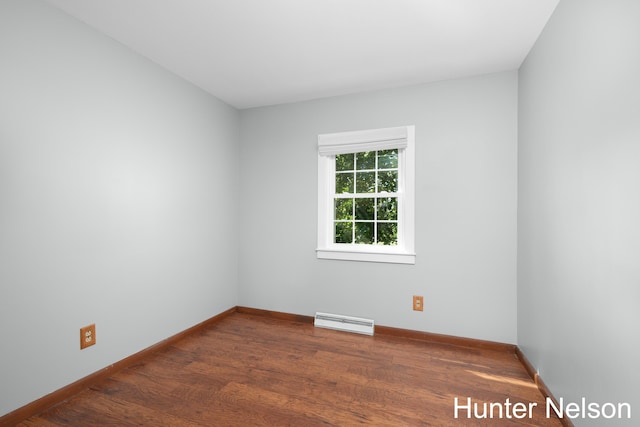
x=248, y=370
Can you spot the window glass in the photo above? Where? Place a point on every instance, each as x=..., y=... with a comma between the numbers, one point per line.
x=364, y=214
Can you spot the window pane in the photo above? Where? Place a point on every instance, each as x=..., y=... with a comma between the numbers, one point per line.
x=387, y=159
x=388, y=181
x=344, y=162
x=388, y=208
x=366, y=160
x=364, y=232
x=343, y=209
x=344, y=183
x=365, y=182
x=387, y=233
x=364, y=209
x=344, y=232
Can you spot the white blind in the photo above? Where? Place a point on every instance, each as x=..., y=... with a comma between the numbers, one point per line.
x=330, y=144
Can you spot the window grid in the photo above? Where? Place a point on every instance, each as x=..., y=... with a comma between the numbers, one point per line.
x=375, y=195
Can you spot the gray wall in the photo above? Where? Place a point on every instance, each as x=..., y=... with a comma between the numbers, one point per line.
x=466, y=145
x=118, y=196
x=579, y=203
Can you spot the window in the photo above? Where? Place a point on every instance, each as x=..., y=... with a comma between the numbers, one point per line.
x=366, y=198
x=366, y=195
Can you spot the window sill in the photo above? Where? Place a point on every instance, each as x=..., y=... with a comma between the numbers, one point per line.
x=366, y=254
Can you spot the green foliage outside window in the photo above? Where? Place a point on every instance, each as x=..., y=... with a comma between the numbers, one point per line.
x=366, y=220
x=366, y=160
x=344, y=162
x=344, y=183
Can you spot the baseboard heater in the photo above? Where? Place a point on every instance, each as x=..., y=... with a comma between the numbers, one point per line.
x=344, y=323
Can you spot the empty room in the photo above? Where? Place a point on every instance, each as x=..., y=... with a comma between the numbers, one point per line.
x=319, y=212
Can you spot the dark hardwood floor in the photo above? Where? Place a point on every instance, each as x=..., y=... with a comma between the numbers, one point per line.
x=249, y=370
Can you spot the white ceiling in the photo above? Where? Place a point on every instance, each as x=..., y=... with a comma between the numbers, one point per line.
x=262, y=52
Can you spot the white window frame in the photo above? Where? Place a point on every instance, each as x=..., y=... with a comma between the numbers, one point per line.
x=402, y=138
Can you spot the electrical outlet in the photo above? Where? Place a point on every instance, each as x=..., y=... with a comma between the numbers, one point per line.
x=87, y=336
x=418, y=303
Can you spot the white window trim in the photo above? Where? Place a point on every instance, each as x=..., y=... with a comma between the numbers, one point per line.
x=348, y=142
